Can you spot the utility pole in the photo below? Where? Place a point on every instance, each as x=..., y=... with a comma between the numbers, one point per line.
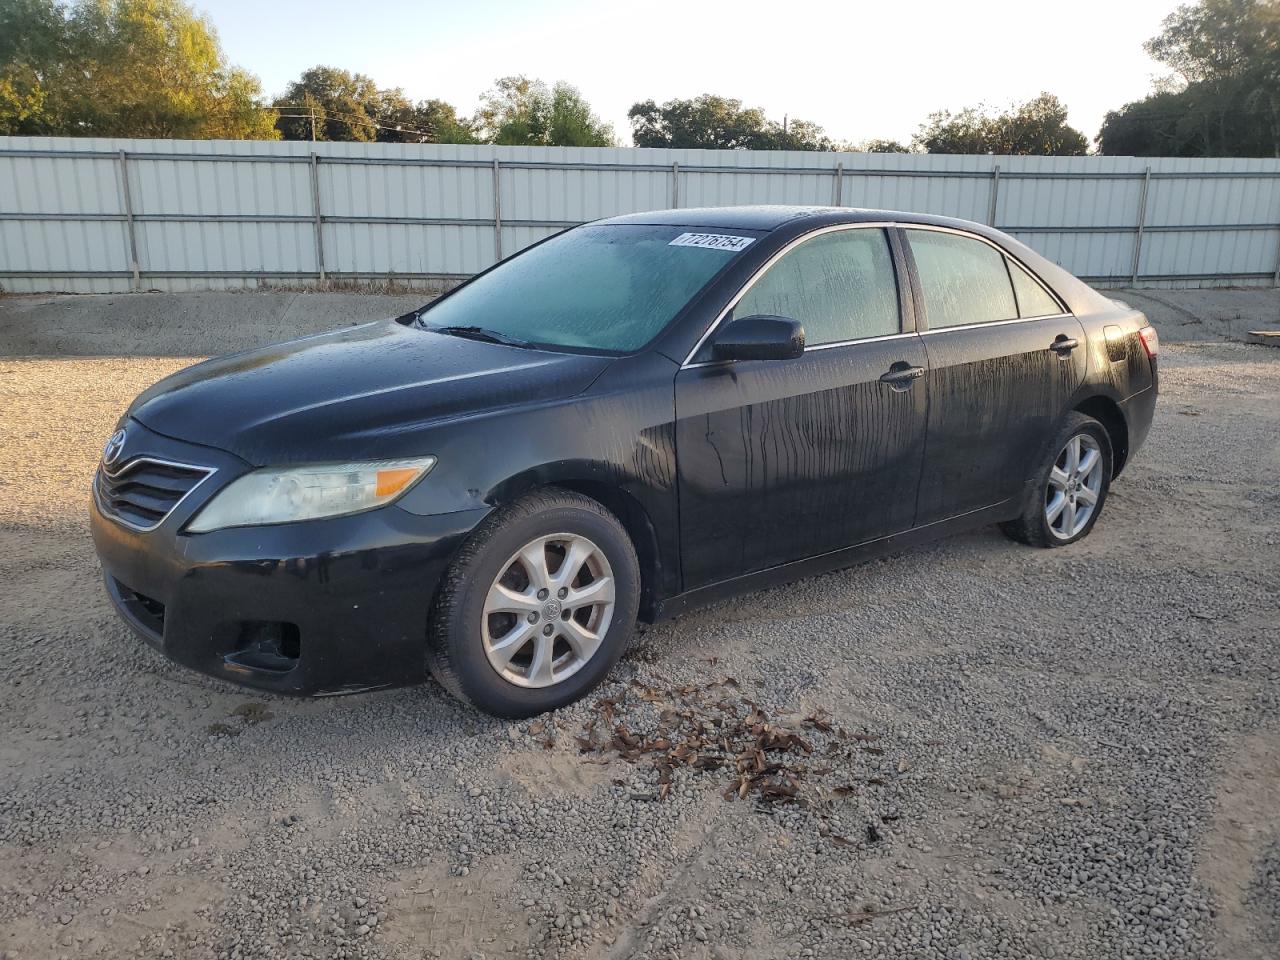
x=313, y=124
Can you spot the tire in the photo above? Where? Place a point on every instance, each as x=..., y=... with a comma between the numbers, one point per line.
x=1035, y=526
x=503, y=661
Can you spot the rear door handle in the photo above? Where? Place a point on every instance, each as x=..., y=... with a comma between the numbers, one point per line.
x=1064, y=345
x=902, y=375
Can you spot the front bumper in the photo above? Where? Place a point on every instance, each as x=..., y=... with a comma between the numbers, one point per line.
x=316, y=607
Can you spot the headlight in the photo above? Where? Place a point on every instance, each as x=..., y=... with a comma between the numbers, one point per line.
x=276, y=495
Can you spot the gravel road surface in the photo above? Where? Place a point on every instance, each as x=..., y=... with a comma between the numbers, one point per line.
x=984, y=750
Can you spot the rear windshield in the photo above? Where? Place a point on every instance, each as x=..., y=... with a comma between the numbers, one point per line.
x=609, y=288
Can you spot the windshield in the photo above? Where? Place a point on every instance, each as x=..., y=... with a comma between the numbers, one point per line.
x=611, y=287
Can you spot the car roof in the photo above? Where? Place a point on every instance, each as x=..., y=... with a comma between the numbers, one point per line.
x=769, y=217
x=798, y=220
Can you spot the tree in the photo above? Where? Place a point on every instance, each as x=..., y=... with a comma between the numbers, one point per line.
x=126, y=68
x=521, y=111
x=965, y=132
x=349, y=106
x=719, y=123
x=441, y=122
x=341, y=105
x=884, y=146
x=1036, y=128
x=791, y=135
x=1151, y=127
x=572, y=122
x=1223, y=98
x=32, y=41
x=136, y=68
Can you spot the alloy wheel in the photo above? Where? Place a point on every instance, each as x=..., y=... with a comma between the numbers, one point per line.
x=1075, y=485
x=548, y=610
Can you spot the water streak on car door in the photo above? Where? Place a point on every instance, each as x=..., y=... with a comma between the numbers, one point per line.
x=784, y=459
x=997, y=391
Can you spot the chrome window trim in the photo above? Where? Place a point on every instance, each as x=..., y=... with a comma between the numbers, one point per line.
x=907, y=227
x=994, y=323
x=764, y=268
x=136, y=462
x=821, y=346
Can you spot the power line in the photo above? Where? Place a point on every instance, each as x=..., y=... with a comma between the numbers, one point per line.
x=323, y=113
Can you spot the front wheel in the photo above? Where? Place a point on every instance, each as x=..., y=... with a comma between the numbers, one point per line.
x=537, y=607
x=1065, y=498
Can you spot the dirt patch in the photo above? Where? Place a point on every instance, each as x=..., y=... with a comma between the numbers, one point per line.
x=1241, y=832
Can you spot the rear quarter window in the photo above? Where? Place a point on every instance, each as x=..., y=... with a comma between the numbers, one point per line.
x=1033, y=299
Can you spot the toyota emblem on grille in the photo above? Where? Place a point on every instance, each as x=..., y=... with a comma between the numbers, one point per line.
x=114, y=445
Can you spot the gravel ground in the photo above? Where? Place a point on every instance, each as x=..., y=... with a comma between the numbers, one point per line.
x=994, y=751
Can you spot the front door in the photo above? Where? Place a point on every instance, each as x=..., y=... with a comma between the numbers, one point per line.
x=780, y=460
x=1004, y=359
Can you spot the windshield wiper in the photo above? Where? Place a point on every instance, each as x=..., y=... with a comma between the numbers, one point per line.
x=480, y=333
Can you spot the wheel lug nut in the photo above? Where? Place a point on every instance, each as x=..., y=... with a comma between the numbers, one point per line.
x=548, y=629
x=533, y=618
x=562, y=592
x=542, y=594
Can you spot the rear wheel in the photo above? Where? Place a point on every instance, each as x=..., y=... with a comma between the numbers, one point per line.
x=1064, y=500
x=537, y=607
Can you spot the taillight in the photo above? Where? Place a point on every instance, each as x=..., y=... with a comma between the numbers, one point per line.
x=1150, y=340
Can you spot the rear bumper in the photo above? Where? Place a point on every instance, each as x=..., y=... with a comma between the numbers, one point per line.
x=318, y=607
x=1139, y=410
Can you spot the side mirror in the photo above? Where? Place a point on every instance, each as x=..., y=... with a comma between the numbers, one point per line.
x=760, y=337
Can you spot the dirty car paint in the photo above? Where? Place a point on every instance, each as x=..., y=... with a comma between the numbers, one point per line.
x=726, y=475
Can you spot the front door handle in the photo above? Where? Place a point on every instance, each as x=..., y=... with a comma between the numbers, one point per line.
x=902, y=375
x=1063, y=345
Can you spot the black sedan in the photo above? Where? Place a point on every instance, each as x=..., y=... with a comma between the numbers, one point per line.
x=630, y=418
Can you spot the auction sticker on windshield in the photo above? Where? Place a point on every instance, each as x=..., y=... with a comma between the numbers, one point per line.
x=717, y=241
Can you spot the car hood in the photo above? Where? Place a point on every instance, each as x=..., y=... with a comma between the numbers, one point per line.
x=360, y=393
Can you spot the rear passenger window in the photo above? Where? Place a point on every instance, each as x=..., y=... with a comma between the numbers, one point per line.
x=1033, y=299
x=963, y=280
x=839, y=285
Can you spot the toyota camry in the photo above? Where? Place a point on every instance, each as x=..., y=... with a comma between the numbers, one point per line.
x=628, y=419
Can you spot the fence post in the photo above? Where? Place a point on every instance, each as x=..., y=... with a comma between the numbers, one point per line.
x=1276, y=281
x=128, y=219
x=315, y=212
x=839, y=183
x=497, y=210
x=675, y=185
x=1142, y=225
x=995, y=195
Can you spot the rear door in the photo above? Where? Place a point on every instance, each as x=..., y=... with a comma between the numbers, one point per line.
x=1005, y=358
x=780, y=460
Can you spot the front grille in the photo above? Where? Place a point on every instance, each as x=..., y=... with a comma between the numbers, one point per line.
x=144, y=491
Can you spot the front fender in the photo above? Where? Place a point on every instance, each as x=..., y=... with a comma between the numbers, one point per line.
x=616, y=443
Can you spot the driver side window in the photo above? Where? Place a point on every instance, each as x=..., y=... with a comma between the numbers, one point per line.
x=839, y=286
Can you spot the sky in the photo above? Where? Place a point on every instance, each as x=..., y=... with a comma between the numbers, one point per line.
x=859, y=69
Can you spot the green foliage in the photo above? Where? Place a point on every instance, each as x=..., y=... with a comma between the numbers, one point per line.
x=1039, y=127
x=130, y=68
x=792, y=135
x=31, y=40
x=968, y=131
x=349, y=107
x=442, y=123
x=1224, y=98
x=884, y=146
x=1036, y=128
x=343, y=104
x=719, y=123
x=521, y=111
